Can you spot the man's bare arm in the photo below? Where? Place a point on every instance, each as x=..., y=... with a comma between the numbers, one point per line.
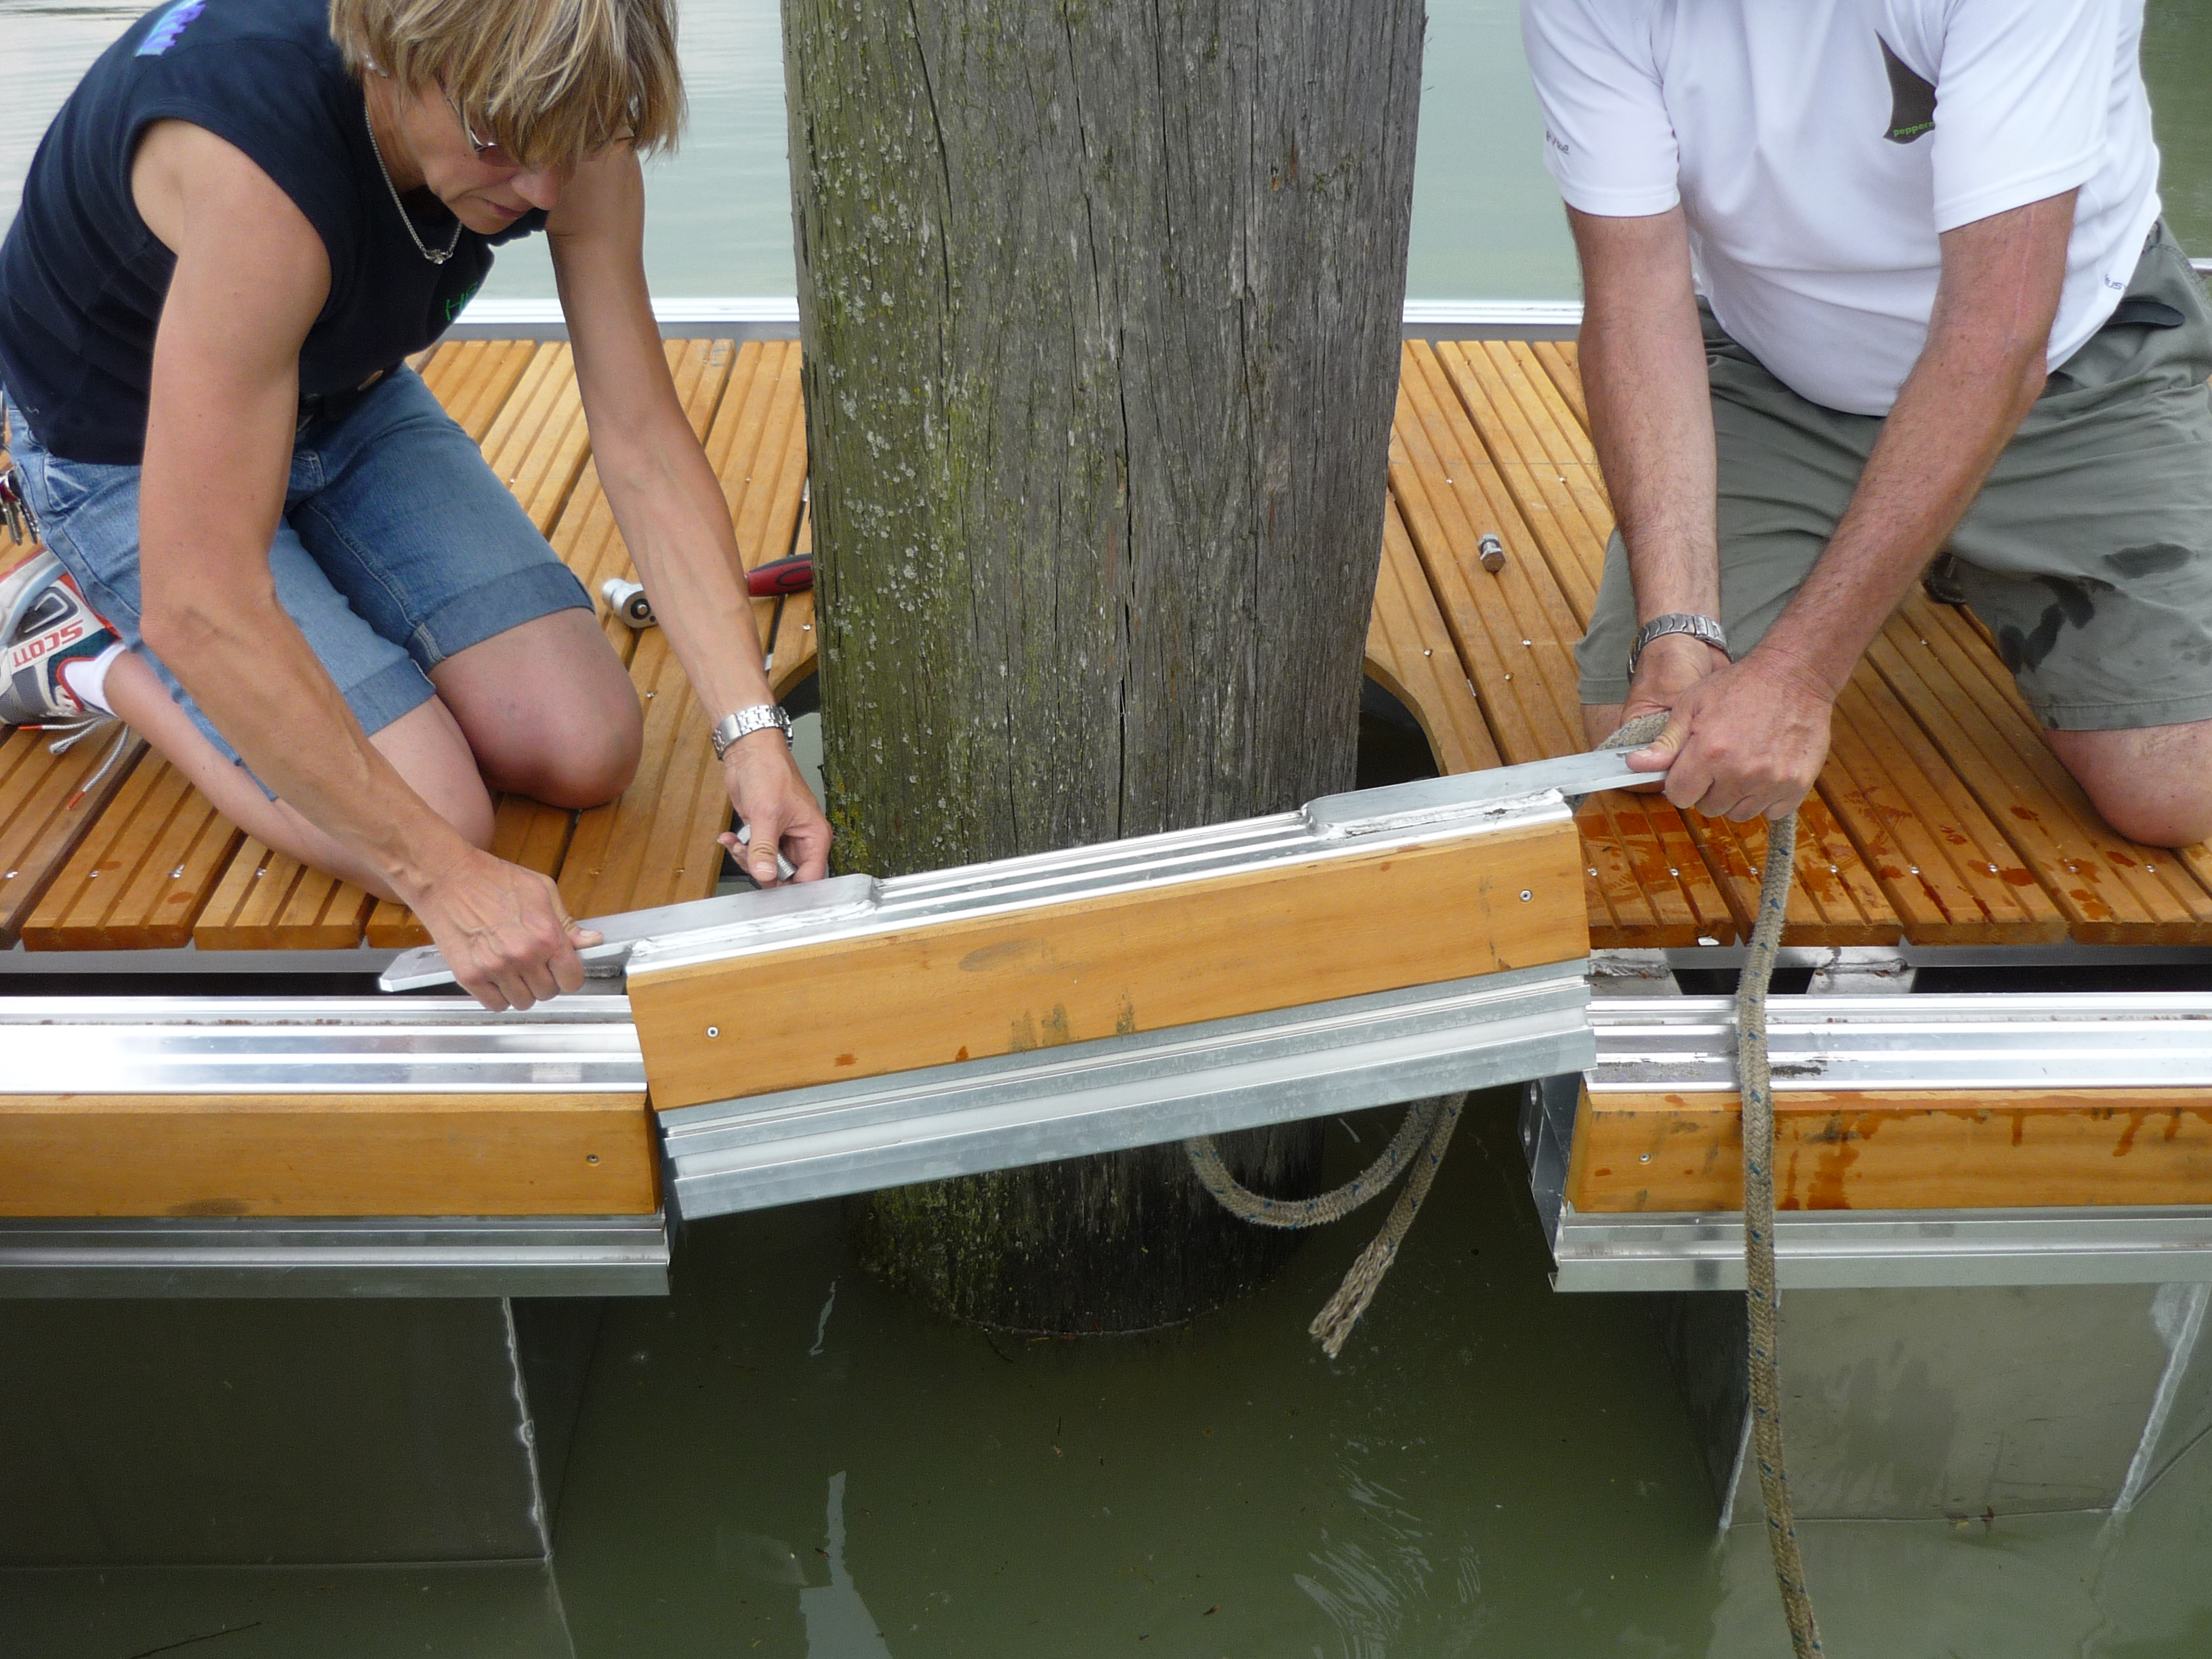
x=252, y=274
x=1751, y=738
x=1643, y=372
x=668, y=502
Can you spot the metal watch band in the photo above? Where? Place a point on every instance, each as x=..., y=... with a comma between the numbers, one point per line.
x=745, y=722
x=1677, y=622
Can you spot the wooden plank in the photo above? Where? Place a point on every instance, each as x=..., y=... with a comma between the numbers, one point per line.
x=1569, y=517
x=540, y=442
x=267, y=902
x=326, y=1155
x=1947, y=871
x=1138, y=961
x=1897, y=1149
x=1650, y=886
x=1833, y=898
x=2111, y=890
x=140, y=877
x=485, y=372
x=1496, y=620
x=1562, y=368
x=1410, y=655
x=46, y=810
x=656, y=843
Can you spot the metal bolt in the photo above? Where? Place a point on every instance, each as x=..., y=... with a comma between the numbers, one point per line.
x=591, y=1158
x=1491, y=553
x=713, y=1030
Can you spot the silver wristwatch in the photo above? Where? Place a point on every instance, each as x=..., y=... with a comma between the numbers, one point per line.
x=745, y=722
x=1677, y=622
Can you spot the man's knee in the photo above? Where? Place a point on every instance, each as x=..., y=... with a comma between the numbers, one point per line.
x=2153, y=785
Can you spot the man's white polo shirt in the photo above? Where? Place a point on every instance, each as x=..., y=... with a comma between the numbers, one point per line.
x=1819, y=147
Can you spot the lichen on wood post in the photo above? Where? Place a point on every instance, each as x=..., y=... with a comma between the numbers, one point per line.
x=1101, y=313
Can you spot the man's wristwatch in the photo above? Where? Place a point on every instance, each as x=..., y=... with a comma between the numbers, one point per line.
x=745, y=722
x=1677, y=622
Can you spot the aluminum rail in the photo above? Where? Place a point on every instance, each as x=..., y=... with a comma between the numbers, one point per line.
x=2017, y=1040
x=382, y=1256
x=581, y=1044
x=1124, y=1091
x=241, y=1046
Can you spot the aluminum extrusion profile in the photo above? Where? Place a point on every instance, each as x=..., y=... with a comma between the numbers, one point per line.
x=1124, y=1091
x=2018, y=1039
x=580, y=1044
x=384, y=1256
x=1896, y=1250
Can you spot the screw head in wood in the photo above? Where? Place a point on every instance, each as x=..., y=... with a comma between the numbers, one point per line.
x=713, y=1030
x=1526, y=896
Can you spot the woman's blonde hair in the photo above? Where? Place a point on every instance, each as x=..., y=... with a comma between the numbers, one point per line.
x=550, y=81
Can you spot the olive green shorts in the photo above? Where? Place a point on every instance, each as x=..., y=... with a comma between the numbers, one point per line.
x=2087, y=553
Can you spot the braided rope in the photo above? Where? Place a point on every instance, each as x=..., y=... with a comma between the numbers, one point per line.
x=1756, y=1085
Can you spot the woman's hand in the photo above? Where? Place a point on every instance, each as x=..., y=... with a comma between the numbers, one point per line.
x=503, y=931
x=779, y=810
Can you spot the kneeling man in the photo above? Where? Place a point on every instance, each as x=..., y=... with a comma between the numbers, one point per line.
x=1868, y=280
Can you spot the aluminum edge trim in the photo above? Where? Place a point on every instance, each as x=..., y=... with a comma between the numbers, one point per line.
x=1127, y=1114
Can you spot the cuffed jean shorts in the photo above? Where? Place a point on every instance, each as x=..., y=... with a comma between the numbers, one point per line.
x=2087, y=553
x=398, y=548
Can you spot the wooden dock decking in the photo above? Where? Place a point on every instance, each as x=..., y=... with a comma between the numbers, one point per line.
x=1941, y=820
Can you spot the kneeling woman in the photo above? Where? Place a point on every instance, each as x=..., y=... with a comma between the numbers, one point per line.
x=295, y=575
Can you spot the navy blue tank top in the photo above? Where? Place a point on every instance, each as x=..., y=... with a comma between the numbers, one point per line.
x=82, y=279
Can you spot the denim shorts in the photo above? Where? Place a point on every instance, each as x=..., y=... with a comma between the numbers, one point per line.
x=398, y=548
x=2088, y=553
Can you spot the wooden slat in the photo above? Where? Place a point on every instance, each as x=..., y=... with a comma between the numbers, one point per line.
x=266, y=901
x=1833, y=898
x=485, y=373
x=656, y=844
x=1511, y=627
x=140, y=877
x=1562, y=366
x=1545, y=462
x=1901, y=1149
x=1947, y=871
x=326, y=1155
x=46, y=812
x=1143, y=960
x=1650, y=887
x=1449, y=493
x=1410, y=654
x=540, y=442
x=2111, y=890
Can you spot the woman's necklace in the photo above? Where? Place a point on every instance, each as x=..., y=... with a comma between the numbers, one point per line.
x=436, y=256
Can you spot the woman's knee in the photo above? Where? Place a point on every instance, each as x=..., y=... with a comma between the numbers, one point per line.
x=575, y=757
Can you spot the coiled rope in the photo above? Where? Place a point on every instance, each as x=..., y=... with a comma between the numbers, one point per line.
x=1427, y=1130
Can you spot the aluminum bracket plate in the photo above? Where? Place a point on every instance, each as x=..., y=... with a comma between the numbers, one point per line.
x=1126, y=1091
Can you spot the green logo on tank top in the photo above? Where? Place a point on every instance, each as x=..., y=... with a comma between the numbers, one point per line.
x=458, y=303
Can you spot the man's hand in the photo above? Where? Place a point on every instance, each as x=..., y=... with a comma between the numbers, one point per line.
x=1744, y=741
x=503, y=931
x=778, y=808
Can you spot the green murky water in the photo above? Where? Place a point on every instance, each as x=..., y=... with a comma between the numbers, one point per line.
x=782, y=1459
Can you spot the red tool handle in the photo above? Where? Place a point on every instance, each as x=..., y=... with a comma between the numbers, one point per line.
x=793, y=576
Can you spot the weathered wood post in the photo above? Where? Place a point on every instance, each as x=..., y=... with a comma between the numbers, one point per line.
x=1101, y=313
